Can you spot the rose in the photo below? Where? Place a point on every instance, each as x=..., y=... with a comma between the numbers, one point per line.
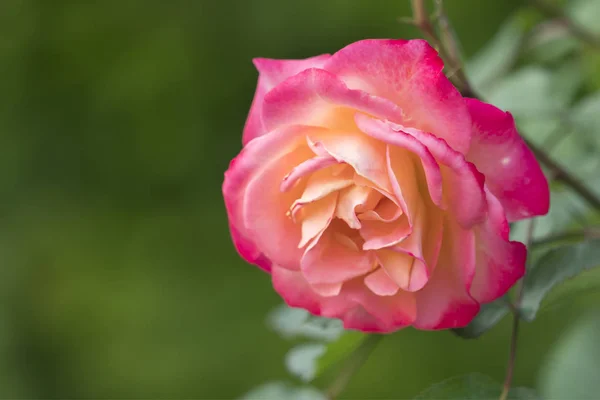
x=373, y=192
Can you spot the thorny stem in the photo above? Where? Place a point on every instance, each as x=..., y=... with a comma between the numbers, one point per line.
x=450, y=43
x=553, y=11
x=355, y=361
x=422, y=21
x=510, y=367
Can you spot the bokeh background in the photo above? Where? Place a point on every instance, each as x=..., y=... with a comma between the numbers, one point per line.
x=117, y=277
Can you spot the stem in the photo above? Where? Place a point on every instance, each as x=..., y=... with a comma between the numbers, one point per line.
x=510, y=367
x=450, y=43
x=553, y=11
x=422, y=21
x=511, y=359
x=354, y=362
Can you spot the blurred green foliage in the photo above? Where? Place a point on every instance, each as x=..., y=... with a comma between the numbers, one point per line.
x=118, y=278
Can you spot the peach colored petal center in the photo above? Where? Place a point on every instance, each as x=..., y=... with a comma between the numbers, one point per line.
x=361, y=215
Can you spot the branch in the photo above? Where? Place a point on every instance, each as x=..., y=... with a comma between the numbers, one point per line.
x=512, y=356
x=552, y=11
x=422, y=21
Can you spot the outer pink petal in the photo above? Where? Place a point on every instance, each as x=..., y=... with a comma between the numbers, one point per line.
x=248, y=250
x=272, y=73
x=500, y=262
x=512, y=173
x=246, y=170
x=356, y=305
x=313, y=96
x=393, y=312
x=409, y=73
x=445, y=301
x=296, y=292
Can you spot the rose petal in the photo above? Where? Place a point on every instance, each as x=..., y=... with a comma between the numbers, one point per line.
x=386, y=210
x=317, y=97
x=320, y=185
x=271, y=73
x=356, y=305
x=296, y=292
x=379, y=234
x=330, y=261
x=409, y=73
x=382, y=131
x=445, y=301
x=355, y=199
x=398, y=266
x=365, y=155
x=463, y=184
x=380, y=283
x=393, y=312
x=500, y=262
x=512, y=173
x=304, y=169
x=267, y=154
x=327, y=289
x=316, y=217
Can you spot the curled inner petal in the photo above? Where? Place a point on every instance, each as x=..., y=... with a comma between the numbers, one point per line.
x=353, y=200
x=312, y=165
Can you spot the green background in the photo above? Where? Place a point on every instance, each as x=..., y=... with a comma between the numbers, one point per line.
x=118, y=277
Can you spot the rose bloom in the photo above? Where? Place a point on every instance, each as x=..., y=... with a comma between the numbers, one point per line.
x=373, y=192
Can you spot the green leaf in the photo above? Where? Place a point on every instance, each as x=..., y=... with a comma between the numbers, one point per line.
x=585, y=13
x=473, y=387
x=527, y=93
x=549, y=42
x=591, y=64
x=308, y=361
x=567, y=80
x=489, y=315
x=302, y=360
x=555, y=267
x=498, y=56
x=567, y=209
x=292, y=323
x=571, y=368
x=283, y=391
x=586, y=120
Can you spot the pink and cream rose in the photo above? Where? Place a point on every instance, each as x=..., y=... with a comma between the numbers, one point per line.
x=373, y=192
